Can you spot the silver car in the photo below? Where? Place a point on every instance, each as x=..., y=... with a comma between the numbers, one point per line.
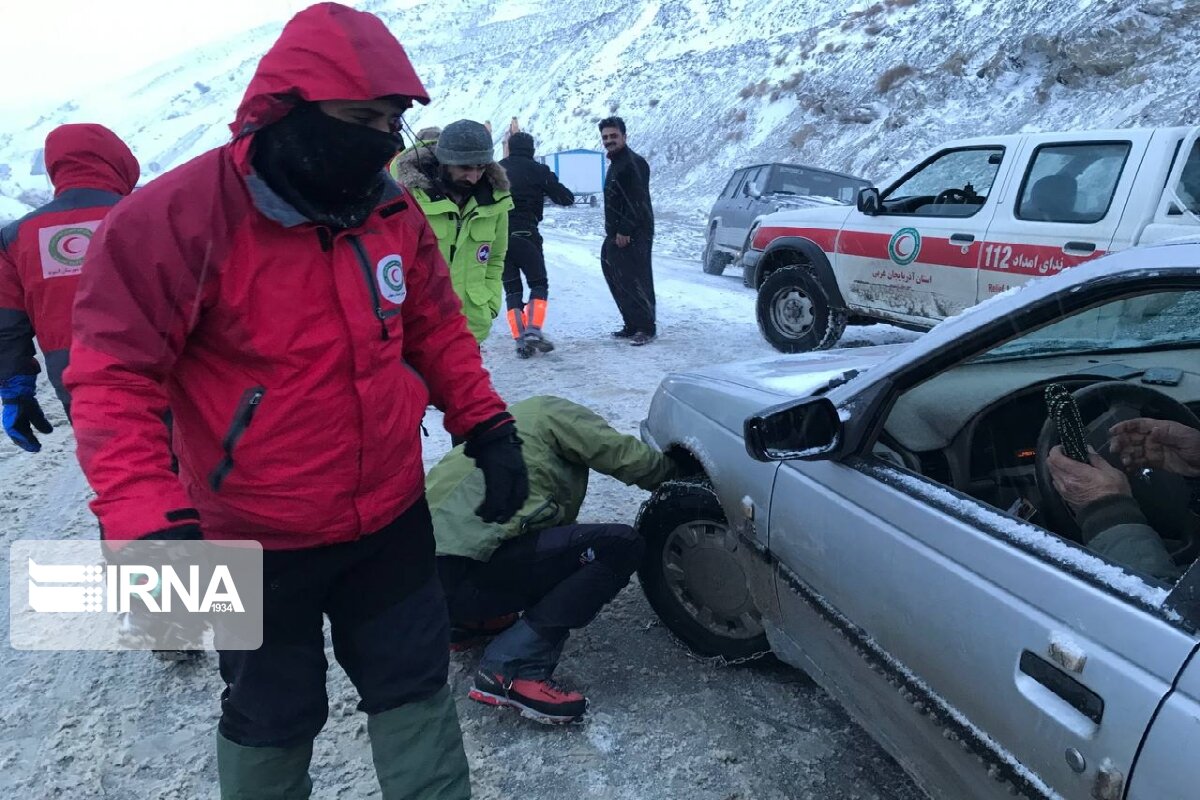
x=886, y=520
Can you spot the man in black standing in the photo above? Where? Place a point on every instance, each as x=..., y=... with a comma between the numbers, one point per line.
x=629, y=235
x=532, y=183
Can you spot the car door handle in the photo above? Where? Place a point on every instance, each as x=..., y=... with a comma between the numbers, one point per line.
x=963, y=239
x=1078, y=696
x=1085, y=248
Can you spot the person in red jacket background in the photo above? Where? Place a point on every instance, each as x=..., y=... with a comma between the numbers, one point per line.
x=288, y=303
x=41, y=259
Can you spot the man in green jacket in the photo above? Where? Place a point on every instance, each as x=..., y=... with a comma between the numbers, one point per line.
x=559, y=573
x=465, y=195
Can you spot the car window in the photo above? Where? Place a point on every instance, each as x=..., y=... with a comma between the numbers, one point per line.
x=810, y=183
x=954, y=183
x=986, y=427
x=1188, y=189
x=1072, y=183
x=754, y=177
x=734, y=183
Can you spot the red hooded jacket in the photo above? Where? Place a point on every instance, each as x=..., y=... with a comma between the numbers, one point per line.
x=297, y=360
x=41, y=254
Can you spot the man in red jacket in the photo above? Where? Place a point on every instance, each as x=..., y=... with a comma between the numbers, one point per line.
x=41, y=258
x=287, y=301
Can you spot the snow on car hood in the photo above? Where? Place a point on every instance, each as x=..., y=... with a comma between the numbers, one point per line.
x=825, y=215
x=728, y=393
x=788, y=202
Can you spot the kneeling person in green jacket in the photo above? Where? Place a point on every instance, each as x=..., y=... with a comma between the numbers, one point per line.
x=559, y=573
x=465, y=195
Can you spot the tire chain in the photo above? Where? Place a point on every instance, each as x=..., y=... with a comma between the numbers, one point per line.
x=719, y=662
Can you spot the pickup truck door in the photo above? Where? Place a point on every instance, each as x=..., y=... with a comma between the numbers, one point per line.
x=1177, y=212
x=1063, y=207
x=917, y=258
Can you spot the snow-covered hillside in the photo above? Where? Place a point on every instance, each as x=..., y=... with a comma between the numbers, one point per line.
x=707, y=85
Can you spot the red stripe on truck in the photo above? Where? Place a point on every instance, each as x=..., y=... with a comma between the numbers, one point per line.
x=1015, y=258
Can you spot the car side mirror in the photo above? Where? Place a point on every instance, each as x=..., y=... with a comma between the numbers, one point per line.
x=869, y=201
x=809, y=429
x=753, y=190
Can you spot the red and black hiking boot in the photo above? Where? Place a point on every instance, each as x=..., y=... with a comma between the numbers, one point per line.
x=464, y=636
x=541, y=701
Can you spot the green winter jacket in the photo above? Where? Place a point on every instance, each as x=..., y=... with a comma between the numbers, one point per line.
x=561, y=442
x=473, y=239
x=1115, y=527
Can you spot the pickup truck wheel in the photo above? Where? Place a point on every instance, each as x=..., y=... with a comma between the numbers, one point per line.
x=794, y=312
x=691, y=574
x=714, y=261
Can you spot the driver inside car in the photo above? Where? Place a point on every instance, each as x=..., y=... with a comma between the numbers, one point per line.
x=1111, y=520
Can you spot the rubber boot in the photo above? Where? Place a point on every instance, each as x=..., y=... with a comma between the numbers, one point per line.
x=263, y=773
x=516, y=322
x=418, y=751
x=535, y=317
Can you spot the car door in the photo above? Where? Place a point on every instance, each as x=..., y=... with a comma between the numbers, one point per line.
x=1065, y=210
x=723, y=208
x=741, y=210
x=916, y=259
x=1043, y=658
x=1166, y=766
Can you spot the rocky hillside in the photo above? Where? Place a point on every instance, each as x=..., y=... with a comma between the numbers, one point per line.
x=707, y=85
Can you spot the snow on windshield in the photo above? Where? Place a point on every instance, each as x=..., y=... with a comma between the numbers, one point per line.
x=1152, y=320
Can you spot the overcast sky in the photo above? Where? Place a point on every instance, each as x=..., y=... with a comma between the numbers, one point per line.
x=56, y=49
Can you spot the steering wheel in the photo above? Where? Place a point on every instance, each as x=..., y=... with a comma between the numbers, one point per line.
x=1163, y=496
x=951, y=196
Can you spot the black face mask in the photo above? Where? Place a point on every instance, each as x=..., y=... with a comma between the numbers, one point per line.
x=331, y=170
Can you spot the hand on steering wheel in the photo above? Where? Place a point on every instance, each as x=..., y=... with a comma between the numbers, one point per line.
x=1157, y=444
x=1082, y=484
x=951, y=196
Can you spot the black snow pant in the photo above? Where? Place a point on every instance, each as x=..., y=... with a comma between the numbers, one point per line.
x=525, y=257
x=631, y=280
x=560, y=578
x=390, y=632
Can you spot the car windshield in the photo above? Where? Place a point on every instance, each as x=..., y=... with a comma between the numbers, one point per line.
x=1157, y=321
x=800, y=181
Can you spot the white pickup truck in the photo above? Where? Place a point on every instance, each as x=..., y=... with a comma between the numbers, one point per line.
x=971, y=220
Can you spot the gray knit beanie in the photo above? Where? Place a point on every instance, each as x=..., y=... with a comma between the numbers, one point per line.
x=465, y=143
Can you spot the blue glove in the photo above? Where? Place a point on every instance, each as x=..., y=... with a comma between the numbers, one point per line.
x=22, y=413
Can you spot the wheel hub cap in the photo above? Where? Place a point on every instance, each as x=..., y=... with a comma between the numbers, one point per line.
x=703, y=572
x=792, y=312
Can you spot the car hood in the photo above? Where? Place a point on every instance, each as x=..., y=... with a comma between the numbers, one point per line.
x=789, y=202
x=829, y=216
x=729, y=393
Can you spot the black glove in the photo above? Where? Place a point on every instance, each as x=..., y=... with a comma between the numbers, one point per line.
x=497, y=452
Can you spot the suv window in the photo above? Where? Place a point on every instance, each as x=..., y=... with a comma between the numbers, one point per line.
x=799, y=181
x=754, y=176
x=1072, y=183
x=954, y=183
x=734, y=182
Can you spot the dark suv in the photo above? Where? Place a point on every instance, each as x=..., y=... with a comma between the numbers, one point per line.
x=763, y=189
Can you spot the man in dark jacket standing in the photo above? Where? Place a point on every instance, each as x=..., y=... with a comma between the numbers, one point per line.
x=629, y=235
x=288, y=302
x=531, y=183
x=41, y=260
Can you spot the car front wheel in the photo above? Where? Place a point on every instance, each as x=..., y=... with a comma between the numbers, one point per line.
x=691, y=573
x=794, y=312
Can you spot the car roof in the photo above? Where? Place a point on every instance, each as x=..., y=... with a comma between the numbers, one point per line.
x=1175, y=258
x=803, y=166
x=1066, y=136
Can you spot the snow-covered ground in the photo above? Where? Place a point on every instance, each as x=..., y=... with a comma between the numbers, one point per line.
x=663, y=726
